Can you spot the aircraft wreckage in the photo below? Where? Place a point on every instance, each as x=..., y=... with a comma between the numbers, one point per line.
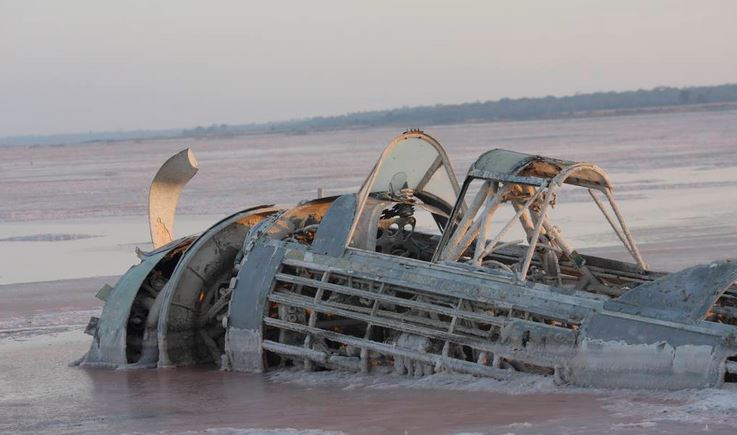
x=414, y=274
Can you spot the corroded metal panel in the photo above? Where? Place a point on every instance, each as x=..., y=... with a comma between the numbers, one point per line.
x=245, y=318
x=109, y=344
x=455, y=282
x=684, y=296
x=335, y=228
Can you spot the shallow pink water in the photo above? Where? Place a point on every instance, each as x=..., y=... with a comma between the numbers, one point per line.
x=41, y=394
x=675, y=175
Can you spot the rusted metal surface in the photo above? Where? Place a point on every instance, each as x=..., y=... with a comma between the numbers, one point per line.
x=413, y=275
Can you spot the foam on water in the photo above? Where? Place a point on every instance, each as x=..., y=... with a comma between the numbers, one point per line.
x=714, y=406
x=44, y=323
x=524, y=384
x=706, y=406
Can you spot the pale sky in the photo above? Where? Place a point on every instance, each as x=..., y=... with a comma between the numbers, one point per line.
x=76, y=65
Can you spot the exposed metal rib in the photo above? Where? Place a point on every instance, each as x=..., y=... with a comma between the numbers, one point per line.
x=451, y=363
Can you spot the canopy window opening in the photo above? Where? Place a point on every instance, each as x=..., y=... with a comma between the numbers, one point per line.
x=413, y=163
x=411, y=188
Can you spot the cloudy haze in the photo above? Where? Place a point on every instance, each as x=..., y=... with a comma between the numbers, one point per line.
x=69, y=66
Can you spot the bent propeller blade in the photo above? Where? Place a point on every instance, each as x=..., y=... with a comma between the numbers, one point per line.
x=164, y=194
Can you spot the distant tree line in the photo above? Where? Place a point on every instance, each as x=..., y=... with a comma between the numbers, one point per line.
x=212, y=130
x=505, y=109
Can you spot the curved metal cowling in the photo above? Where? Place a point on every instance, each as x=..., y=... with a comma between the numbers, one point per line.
x=110, y=335
x=205, y=265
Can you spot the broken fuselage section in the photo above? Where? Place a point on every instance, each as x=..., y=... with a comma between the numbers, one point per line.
x=416, y=274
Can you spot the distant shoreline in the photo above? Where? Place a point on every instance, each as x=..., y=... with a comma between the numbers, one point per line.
x=608, y=113
x=605, y=113
x=661, y=100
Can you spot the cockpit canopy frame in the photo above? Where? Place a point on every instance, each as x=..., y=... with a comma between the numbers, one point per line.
x=530, y=183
